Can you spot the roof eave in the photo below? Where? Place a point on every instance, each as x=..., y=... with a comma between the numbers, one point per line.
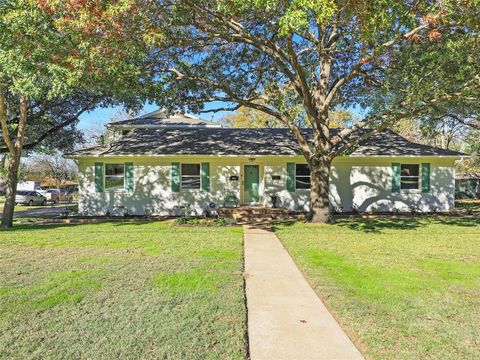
x=160, y=126
x=76, y=156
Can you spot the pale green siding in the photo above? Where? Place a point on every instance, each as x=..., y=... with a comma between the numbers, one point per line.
x=363, y=183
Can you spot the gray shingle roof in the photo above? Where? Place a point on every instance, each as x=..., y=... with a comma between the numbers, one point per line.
x=160, y=119
x=234, y=141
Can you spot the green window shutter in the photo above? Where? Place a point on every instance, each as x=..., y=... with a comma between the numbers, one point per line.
x=175, y=177
x=291, y=177
x=205, y=174
x=425, y=177
x=129, y=176
x=98, y=177
x=395, y=177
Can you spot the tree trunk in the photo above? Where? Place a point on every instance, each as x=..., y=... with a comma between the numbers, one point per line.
x=15, y=149
x=319, y=190
x=11, y=189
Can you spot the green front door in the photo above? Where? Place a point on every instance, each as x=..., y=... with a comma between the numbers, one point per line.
x=250, y=184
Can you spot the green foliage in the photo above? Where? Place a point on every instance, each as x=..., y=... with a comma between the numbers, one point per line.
x=307, y=59
x=27, y=41
x=250, y=118
x=194, y=221
x=48, y=49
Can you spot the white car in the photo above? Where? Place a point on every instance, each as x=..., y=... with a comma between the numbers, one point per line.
x=30, y=198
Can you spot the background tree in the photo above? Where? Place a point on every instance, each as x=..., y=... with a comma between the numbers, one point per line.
x=246, y=117
x=393, y=59
x=53, y=166
x=444, y=133
x=53, y=51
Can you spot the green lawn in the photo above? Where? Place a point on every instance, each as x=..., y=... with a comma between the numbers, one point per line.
x=403, y=289
x=121, y=291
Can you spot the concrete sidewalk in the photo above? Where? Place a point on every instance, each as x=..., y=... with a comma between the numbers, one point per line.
x=286, y=319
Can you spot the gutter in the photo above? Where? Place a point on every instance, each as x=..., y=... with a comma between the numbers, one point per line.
x=73, y=156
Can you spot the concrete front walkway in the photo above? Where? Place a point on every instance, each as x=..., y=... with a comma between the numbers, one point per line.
x=286, y=319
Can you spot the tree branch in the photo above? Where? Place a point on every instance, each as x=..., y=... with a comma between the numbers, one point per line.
x=474, y=123
x=357, y=68
x=3, y=122
x=52, y=130
x=233, y=108
x=22, y=124
x=390, y=115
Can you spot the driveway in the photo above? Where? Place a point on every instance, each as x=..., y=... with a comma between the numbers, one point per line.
x=41, y=211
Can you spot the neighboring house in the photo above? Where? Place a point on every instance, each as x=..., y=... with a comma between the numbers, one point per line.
x=51, y=183
x=165, y=169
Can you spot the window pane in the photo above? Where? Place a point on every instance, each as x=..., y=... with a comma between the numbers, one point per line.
x=191, y=169
x=114, y=169
x=409, y=183
x=190, y=182
x=409, y=170
x=114, y=182
x=302, y=169
x=114, y=176
x=302, y=182
x=409, y=176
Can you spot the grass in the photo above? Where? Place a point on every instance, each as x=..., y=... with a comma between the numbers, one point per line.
x=404, y=289
x=121, y=290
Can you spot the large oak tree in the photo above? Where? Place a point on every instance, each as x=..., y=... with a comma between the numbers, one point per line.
x=394, y=59
x=57, y=60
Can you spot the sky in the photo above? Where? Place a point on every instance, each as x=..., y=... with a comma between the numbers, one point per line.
x=99, y=117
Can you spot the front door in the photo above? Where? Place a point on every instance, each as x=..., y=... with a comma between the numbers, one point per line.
x=251, y=184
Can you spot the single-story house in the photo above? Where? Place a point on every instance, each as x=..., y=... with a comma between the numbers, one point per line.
x=169, y=166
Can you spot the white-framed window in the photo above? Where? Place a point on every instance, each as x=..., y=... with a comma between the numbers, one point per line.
x=302, y=176
x=190, y=176
x=409, y=176
x=114, y=176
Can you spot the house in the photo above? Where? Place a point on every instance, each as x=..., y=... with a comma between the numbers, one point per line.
x=172, y=165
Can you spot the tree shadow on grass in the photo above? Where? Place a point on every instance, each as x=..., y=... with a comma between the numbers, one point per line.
x=380, y=224
x=24, y=226
x=377, y=225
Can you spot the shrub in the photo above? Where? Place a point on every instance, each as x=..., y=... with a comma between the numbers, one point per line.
x=184, y=220
x=413, y=209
